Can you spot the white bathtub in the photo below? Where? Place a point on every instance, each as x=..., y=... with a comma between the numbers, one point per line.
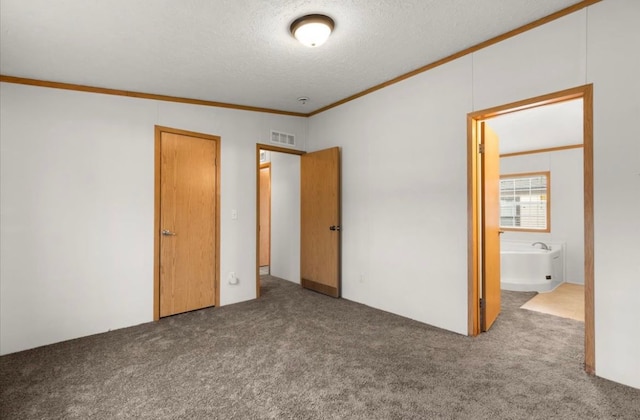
x=525, y=268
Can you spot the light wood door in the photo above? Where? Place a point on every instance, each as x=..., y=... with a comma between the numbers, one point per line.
x=187, y=223
x=490, y=227
x=320, y=221
x=265, y=215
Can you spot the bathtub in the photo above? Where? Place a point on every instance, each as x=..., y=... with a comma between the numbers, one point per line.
x=525, y=268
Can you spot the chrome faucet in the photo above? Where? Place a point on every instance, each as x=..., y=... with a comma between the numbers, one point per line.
x=542, y=245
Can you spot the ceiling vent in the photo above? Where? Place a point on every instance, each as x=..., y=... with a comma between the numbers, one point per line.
x=283, y=138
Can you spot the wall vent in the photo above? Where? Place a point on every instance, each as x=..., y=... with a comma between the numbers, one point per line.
x=283, y=138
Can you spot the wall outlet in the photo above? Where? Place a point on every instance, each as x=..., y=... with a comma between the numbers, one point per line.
x=234, y=214
x=361, y=278
x=232, y=278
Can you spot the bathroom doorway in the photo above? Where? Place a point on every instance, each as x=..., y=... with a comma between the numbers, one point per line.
x=484, y=302
x=541, y=207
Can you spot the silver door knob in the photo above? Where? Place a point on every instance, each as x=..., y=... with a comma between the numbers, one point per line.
x=168, y=233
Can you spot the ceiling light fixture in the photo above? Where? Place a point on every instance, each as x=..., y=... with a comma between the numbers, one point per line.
x=312, y=30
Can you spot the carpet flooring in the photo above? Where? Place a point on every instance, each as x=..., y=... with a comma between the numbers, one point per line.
x=295, y=354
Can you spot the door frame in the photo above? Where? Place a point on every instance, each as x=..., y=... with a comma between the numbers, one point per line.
x=475, y=258
x=156, y=222
x=269, y=148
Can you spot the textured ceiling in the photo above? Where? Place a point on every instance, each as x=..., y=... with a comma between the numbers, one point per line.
x=241, y=52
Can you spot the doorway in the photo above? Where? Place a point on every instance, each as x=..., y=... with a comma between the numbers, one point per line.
x=542, y=207
x=317, y=226
x=277, y=210
x=187, y=221
x=482, y=277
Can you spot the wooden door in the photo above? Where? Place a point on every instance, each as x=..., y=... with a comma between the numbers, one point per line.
x=265, y=214
x=490, y=308
x=320, y=228
x=187, y=223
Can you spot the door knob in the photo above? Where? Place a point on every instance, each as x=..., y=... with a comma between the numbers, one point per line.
x=334, y=228
x=166, y=232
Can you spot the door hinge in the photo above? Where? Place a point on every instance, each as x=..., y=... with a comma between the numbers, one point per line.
x=481, y=148
x=481, y=303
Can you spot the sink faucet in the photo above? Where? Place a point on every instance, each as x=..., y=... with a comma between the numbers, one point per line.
x=542, y=245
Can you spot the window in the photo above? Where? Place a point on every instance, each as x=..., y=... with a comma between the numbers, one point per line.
x=525, y=202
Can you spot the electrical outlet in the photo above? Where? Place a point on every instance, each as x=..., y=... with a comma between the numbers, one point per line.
x=232, y=278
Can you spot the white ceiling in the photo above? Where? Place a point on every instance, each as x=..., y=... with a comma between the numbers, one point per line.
x=241, y=51
x=540, y=128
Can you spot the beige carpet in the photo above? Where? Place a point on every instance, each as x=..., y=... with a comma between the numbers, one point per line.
x=566, y=301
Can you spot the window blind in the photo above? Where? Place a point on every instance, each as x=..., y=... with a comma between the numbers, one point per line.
x=524, y=201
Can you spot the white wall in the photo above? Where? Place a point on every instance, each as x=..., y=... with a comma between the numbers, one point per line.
x=567, y=203
x=77, y=182
x=404, y=173
x=77, y=214
x=404, y=194
x=285, y=216
x=613, y=65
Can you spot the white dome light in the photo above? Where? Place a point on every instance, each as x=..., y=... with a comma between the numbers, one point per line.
x=312, y=30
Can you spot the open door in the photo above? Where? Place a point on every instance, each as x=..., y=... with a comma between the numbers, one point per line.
x=490, y=304
x=320, y=221
x=265, y=215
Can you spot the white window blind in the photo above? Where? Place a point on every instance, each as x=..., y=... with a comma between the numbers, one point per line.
x=524, y=201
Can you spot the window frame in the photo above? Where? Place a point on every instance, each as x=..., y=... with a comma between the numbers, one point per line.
x=547, y=174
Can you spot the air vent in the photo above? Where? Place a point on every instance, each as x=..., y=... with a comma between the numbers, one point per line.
x=283, y=138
